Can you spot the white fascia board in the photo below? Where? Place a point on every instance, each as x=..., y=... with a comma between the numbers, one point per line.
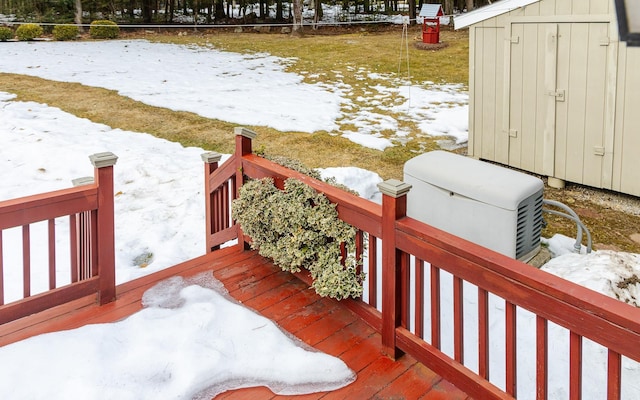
x=490, y=11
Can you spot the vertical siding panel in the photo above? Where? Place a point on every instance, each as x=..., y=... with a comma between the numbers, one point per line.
x=630, y=174
x=611, y=77
x=501, y=139
x=595, y=99
x=530, y=97
x=576, y=92
x=563, y=7
x=546, y=158
x=601, y=7
x=621, y=98
x=547, y=7
x=489, y=80
x=516, y=93
x=476, y=69
x=540, y=111
x=562, y=83
x=532, y=10
x=580, y=7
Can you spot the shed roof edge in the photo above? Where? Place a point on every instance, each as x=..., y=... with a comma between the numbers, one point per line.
x=490, y=11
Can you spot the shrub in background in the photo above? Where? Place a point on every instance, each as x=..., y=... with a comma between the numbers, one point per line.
x=65, y=32
x=5, y=34
x=29, y=31
x=104, y=29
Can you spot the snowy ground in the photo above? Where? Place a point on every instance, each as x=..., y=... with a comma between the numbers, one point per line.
x=159, y=202
x=241, y=88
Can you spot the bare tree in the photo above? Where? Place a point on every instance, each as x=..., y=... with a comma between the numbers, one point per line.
x=297, y=17
x=78, y=15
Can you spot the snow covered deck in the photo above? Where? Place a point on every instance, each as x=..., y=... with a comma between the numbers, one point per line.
x=494, y=327
x=325, y=324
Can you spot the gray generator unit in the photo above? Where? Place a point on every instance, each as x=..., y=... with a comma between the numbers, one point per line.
x=493, y=206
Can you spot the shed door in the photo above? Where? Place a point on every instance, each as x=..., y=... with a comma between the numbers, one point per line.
x=557, y=96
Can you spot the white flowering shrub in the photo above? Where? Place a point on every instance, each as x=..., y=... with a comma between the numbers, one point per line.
x=299, y=228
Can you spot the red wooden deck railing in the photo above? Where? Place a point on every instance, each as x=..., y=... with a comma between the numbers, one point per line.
x=89, y=209
x=406, y=261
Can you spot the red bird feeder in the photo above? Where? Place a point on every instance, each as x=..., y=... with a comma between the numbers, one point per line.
x=431, y=14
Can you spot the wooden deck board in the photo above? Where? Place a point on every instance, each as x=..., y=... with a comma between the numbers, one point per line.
x=319, y=322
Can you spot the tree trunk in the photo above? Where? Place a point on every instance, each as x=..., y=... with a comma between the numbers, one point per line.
x=317, y=14
x=146, y=10
x=448, y=7
x=412, y=12
x=219, y=7
x=172, y=9
x=78, y=15
x=469, y=5
x=297, y=17
x=279, y=10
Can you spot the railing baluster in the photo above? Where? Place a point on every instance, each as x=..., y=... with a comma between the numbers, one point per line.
x=1, y=271
x=614, y=378
x=510, y=347
x=419, y=298
x=94, y=242
x=405, y=277
x=542, y=357
x=83, y=221
x=219, y=210
x=226, y=206
x=435, y=306
x=73, y=234
x=52, y=253
x=26, y=261
x=483, y=333
x=359, y=252
x=372, y=276
x=458, y=321
x=575, y=366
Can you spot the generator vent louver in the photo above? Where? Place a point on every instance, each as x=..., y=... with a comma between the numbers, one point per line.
x=493, y=206
x=529, y=225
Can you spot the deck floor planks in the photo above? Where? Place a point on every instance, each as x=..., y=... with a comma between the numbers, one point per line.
x=250, y=279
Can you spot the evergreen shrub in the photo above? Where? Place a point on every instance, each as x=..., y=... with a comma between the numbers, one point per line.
x=299, y=228
x=5, y=34
x=104, y=29
x=29, y=31
x=65, y=32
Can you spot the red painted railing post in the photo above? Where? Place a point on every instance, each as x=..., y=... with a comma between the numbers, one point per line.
x=211, y=160
x=103, y=174
x=394, y=207
x=243, y=147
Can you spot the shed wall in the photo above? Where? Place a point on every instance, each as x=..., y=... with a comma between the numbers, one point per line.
x=548, y=87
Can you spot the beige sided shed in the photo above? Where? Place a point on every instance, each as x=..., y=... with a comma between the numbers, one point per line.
x=553, y=91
